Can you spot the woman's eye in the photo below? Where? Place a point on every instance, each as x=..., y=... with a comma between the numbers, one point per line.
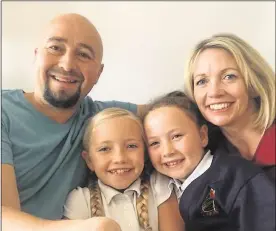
x=200, y=82
x=132, y=146
x=230, y=77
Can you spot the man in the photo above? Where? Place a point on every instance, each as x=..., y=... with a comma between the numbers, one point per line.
x=42, y=130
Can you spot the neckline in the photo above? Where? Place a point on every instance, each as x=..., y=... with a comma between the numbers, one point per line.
x=39, y=114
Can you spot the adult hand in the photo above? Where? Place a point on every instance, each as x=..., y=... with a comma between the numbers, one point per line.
x=15, y=220
x=97, y=224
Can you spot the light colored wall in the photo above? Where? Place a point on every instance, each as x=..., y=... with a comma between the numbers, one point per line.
x=145, y=43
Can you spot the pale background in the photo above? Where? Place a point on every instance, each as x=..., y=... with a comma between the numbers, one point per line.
x=145, y=43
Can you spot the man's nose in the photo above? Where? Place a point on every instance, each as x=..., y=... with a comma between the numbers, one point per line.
x=67, y=62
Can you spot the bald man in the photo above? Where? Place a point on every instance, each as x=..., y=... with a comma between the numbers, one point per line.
x=42, y=130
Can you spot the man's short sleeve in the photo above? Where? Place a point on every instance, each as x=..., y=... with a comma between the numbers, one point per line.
x=7, y=155
x=100, y=105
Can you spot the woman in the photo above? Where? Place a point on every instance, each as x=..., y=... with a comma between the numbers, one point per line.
x=234, y=88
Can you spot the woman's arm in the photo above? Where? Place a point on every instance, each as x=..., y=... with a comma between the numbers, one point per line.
x=169, y=217
x=15, y=220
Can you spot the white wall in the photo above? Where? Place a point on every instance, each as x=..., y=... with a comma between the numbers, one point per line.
x=145, y=43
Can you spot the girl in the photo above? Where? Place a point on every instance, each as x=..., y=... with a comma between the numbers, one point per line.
x=114, y=152
x=216, y=192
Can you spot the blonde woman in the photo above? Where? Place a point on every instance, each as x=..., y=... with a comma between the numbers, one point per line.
x=234, y=89
x=120, y=186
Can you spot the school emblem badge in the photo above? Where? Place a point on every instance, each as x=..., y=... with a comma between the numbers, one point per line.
x=209, y=206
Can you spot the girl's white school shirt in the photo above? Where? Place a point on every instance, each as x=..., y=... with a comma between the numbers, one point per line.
x=179, y=186
x=121, y=207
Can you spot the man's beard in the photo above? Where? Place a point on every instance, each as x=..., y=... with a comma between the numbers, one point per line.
x=61, y=99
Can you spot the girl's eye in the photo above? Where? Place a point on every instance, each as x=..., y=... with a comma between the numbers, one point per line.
x=153, y=144
x=177, y=136
x=104, y=149
x=132, y=146
x=230, y=77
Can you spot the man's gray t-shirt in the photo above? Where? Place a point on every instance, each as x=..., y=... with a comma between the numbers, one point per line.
x=46, y=155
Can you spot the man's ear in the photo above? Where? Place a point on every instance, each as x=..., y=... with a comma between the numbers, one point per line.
x=85, y=156
x=101, y=69
x=204, y=135
x=35, y=54
x=99, y=72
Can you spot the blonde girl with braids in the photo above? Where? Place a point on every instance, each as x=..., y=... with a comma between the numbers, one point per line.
x=121, y=185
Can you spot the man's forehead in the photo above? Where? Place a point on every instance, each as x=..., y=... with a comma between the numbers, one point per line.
x=71, y=31
x=72, y=20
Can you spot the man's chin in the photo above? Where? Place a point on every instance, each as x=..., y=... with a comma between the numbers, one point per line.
x=61, y=100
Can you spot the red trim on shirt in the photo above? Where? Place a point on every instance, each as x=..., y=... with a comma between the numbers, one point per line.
x=265, y=153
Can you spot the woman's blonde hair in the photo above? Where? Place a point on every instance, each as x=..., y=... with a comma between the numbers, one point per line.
x=257, y=73
x=95, y=193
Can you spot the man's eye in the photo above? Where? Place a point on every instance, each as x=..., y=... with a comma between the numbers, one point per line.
x=132, y=146
x=55, y=48
x=84, y=55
